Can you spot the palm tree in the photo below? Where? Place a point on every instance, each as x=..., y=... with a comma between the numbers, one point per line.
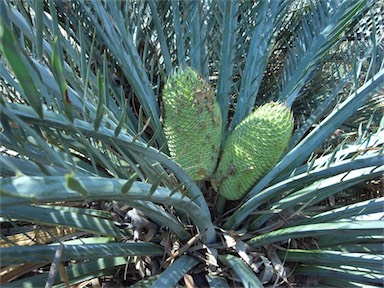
x=89, y=191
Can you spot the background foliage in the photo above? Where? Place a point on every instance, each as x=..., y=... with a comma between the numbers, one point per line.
x=88, y=189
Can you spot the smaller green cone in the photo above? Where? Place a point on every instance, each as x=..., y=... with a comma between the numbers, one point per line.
x=252, y=149
x=192, y=123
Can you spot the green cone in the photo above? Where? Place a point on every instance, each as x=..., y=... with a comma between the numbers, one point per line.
x=252, y=149
x=192, y=123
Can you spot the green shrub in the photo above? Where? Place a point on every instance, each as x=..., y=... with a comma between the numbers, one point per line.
x=91, y=190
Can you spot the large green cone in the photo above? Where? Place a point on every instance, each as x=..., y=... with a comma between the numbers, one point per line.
x=192, y=123
x=252, y=149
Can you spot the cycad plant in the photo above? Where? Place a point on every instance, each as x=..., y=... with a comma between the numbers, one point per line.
x=92, y=190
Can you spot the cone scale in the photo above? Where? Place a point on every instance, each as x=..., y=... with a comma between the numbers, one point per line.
x=252, y=149
x=192, y=123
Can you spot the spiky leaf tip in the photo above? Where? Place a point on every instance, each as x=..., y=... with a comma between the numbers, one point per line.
x=252, y=149
x=192, y=123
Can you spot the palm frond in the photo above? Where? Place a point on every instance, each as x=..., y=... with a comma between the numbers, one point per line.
x=266, y=25
x=42, y=253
